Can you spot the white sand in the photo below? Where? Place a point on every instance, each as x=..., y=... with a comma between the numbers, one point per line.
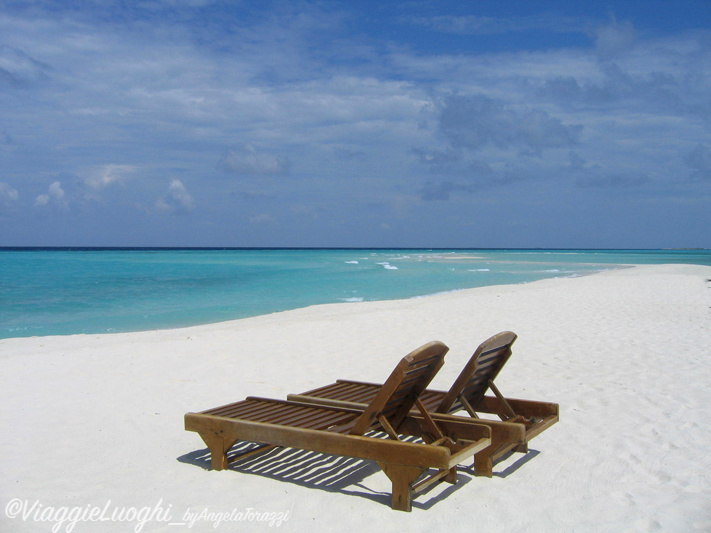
x=96, y=421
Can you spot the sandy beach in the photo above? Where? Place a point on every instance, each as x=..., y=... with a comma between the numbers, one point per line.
x=93, y=436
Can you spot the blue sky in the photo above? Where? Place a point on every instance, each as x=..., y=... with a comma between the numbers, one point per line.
x=424, y=123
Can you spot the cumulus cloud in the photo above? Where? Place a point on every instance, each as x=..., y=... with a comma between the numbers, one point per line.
x=55, y=195
x=246, y=159
x=176, y=200
x=106, y=175
x=477, y=121
x=8, y=195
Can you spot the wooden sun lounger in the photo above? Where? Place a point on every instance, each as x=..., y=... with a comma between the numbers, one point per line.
x=357, y=432
x=521, y=420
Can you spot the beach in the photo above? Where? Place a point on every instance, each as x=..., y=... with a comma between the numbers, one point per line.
x=95, y=422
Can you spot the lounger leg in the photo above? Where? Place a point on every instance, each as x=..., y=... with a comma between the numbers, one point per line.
x=402, y=478
x=521, y=448
x=504, y=437
x=483, y=464
x=218, y=450
x=452, y=476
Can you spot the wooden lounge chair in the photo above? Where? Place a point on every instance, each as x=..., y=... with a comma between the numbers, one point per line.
x=521, y=420
x=357, y=432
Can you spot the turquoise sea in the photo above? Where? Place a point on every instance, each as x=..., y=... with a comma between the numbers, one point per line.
x=68, y=291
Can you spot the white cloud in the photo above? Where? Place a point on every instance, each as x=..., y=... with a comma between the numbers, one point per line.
x=176, y=200
x=55, y=195
x=106, y=175
x=8, y=195
x=56, y=191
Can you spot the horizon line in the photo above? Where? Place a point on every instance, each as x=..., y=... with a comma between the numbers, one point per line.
x=216, y=248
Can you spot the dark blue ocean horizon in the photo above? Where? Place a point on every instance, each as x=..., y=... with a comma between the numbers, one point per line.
x=72, y=290
x=337, y=248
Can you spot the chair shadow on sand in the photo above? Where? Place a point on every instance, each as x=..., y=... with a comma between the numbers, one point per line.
x=333, y=473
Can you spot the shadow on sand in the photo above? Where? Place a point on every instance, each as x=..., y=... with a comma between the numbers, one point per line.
x=333, y=473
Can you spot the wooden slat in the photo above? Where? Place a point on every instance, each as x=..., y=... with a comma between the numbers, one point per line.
x=484, y=365
x=351, y=393
x=433, y=353
x=246, y=408
x=324, y=401
x=300, y=415
x=290, y=415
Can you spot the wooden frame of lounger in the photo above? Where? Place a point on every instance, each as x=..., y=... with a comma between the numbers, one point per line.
x=521, y=420
x=350, y=432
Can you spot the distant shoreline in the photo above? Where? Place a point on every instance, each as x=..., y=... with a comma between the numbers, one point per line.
x=64, y=291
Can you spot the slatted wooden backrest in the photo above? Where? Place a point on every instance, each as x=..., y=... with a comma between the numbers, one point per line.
x=398, y=394
x=483, y=367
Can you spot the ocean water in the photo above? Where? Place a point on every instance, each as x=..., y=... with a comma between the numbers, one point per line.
x=61, y=292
